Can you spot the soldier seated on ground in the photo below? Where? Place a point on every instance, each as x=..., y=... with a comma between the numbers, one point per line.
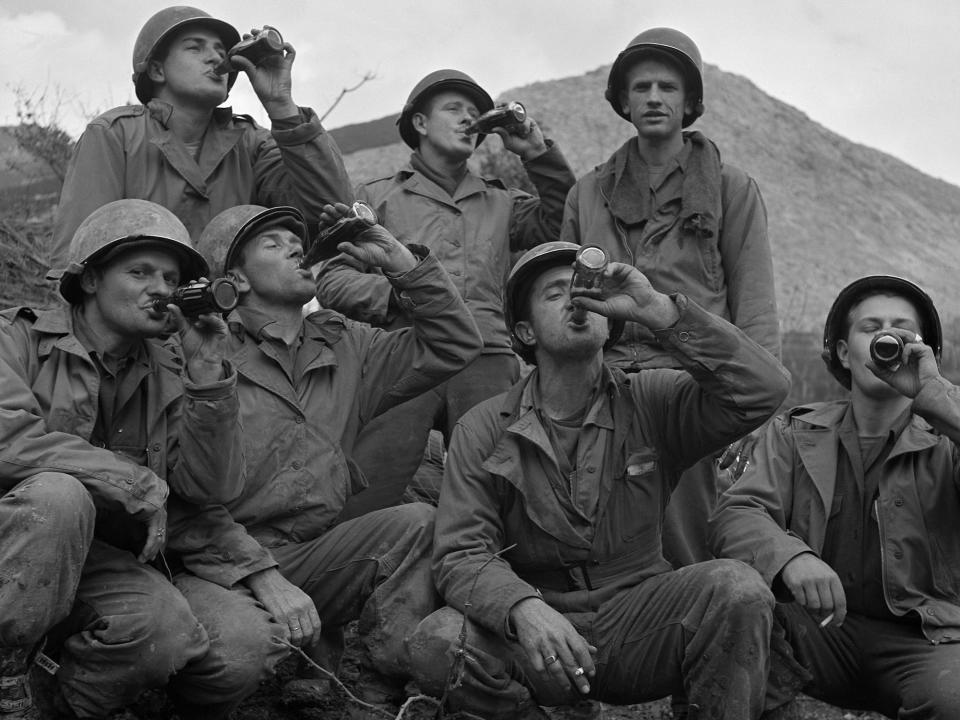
x=99, y=422
x=850, y=512
x=306, y=386
x=548, y=528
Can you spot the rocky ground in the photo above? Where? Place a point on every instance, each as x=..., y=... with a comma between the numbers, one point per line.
x=272, y=703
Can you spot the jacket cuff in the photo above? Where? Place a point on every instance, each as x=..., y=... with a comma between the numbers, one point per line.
x=933, y=398
x=297, y=130
x=496, y=616
x=421, y=285
x=219, y=390
x=509, y=631
x=149, y=492
x=686, y=322
x=228, y=574
x=552, y=158
x=699, y=336
x=774, y=559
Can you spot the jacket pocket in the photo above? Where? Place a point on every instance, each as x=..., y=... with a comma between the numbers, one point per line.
x=637, y=498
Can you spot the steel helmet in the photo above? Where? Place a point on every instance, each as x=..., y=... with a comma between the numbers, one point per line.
x=223, y=236
x=530, y=265
x=126, y=225
x=159, y=27
x=863, y=288
x=665, y=41
x=433, y=83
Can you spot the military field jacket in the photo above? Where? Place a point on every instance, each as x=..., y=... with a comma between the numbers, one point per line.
x=500, y=482
x=472, y=233
x=129, y=152
x=49, y=389
x=781, y=505
x=299, y=432
x=729, y=274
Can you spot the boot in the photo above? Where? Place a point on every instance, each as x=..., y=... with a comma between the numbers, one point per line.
x=16, y=692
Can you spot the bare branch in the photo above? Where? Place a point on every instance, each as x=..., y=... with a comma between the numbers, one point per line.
x=335, y=679
x=380, y=711
x=457, y=667
x=38, y=131
x=367, y=77
x=416, y=698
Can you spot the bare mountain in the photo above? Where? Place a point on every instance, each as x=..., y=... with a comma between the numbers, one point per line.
x=837, y=210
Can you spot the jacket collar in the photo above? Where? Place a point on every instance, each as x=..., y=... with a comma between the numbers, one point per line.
x=818, y=442
x=321, y=331
x=215, y=147
x=57, y=330
x=472, y=184
x=917, y=435
x=523, y=435
x=162, y=111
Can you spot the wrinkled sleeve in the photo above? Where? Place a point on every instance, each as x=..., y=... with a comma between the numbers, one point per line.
x=469, y=532
x=536, y=220
x=748, y=263
x=27, y=447
x=442, y=340
x=751, y=520
x=94, y=177
x=353, y=289
x=938, y=402
x=211, y=545
x=298, y=163
x=207, y=448
x=570, y=225
x=732, y=385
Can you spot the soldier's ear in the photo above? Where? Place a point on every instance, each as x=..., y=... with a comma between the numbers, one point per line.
x=155, y=71
x=419, y=123
x=90, y=280
x=240, y=279
x=524, y=332
x=843, y=353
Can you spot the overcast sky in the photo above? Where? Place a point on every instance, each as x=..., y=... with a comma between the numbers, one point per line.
x=880, y=73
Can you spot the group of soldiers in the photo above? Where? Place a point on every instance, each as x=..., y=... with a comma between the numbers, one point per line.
x=185, y=499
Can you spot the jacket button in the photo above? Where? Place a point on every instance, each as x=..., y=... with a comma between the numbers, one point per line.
x=296, y=465
x=898, y=502
x=298, y=420
x=683, y=336
x=155, y=447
